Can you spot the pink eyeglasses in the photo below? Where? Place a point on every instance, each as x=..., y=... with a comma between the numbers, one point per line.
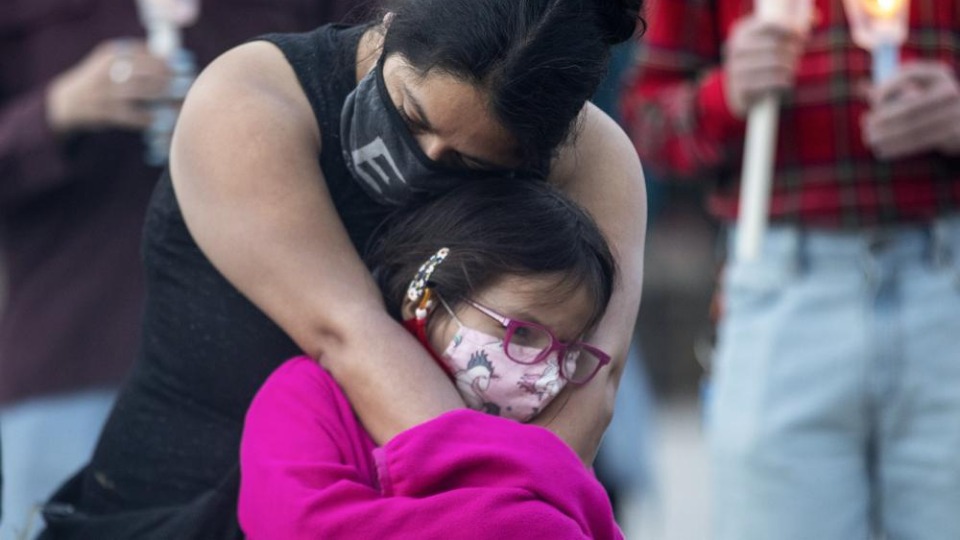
x=529, y=343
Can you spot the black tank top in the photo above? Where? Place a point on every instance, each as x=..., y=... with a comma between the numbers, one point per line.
x=175, y=430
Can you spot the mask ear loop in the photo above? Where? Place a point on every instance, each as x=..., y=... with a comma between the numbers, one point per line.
x=449, y=310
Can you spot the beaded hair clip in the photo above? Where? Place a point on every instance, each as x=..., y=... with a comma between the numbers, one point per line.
x=419, y=284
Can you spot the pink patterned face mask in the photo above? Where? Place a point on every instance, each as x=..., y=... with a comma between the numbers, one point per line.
x=487, y=377
x=490, y=381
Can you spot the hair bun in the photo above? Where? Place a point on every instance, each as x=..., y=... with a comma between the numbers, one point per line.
x=619, y=18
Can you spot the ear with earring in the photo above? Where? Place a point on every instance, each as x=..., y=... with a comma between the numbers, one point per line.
x=419, y=289
x=426, y=304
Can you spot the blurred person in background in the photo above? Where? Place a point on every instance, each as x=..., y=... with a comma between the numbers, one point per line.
x=835, y=412
x=75, y=81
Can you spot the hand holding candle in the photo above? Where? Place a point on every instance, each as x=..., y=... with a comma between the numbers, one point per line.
x=916, y=111
x=760, y=60
x=760, y=147
x=913, y=109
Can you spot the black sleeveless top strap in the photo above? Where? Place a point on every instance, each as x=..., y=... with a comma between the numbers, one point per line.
x=174, y=433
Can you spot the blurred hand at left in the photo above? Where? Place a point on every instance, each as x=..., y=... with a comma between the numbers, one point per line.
x=917, y=111
x=111, y=87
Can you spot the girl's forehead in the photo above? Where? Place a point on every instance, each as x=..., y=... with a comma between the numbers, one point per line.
x=548, y=299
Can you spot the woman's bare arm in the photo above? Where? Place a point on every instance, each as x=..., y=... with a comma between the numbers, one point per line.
x=246, y=174
x=602, y=172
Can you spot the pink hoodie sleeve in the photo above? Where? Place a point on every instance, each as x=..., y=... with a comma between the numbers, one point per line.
x=306, y=472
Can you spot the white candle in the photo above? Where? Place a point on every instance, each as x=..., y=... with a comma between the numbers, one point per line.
x=886, y=60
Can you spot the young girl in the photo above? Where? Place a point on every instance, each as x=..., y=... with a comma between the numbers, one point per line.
x=501, y=281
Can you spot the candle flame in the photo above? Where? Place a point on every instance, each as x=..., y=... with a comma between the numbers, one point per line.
x=883, y=8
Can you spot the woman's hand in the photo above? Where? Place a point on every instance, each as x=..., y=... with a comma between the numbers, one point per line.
x=601, y=171
x=246, y=174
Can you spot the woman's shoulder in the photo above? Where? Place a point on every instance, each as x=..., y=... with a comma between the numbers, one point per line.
x=287, y=64
x=320, y=44
x=600, y=158
x=323, y=59
x=285, y=77
x=250, y=79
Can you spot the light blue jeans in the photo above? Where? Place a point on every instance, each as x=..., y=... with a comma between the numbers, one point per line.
x=835, y=412
x=45, y=440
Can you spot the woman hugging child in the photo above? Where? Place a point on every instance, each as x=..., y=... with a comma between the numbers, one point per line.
x=502, y=281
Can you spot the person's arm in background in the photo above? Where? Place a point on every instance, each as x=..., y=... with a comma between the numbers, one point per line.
x=34, y=125
x=685, y=103
x=463, y=475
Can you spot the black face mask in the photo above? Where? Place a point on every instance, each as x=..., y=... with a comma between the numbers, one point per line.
x=382, y=154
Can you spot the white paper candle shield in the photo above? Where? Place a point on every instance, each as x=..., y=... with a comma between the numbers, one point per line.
x=874, y=22
x=163, y=20
x=880, y=26
x=181, y=12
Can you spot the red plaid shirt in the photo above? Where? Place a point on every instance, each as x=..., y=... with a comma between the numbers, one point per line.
x=675, y=111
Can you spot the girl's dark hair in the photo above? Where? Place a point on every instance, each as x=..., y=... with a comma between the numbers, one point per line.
x=494, y=228
x=539, y=60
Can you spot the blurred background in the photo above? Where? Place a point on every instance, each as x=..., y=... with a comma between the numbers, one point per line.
x=653, y=460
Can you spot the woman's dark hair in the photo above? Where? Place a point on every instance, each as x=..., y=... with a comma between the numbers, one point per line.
x=539, y=60
x=494, y=228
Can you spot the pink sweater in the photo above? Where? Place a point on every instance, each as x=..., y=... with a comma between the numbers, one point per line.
x=310, y=470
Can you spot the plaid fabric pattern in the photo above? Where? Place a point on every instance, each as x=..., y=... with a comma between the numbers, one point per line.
x=676, y=114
